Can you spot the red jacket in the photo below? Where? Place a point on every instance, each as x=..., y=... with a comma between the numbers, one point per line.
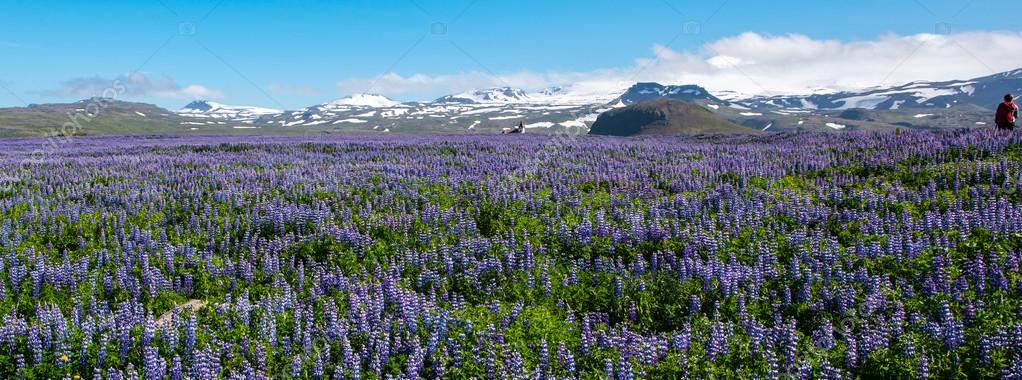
x=1006, y=113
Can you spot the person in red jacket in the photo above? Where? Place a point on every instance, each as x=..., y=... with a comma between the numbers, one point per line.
x=1007, y=112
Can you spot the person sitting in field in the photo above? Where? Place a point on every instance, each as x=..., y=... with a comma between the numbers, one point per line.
x=516, y=130
x=1007, y=113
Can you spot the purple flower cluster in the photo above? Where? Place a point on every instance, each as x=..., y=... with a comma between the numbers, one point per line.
x=782, y=256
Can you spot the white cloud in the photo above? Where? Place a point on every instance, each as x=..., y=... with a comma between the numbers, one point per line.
x=756, y=63
x=795, y=63
x=135, y=85
x=193, y=92
x=393, y=83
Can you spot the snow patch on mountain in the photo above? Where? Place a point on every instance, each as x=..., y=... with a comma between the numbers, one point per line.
x=395, y=112
x=862, y=101
x=542, y=124
x=365, y=100
x=487, y=96
x=351, y=121
x=573, y=124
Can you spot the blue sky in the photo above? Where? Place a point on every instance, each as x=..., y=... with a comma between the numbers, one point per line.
x=290, y=54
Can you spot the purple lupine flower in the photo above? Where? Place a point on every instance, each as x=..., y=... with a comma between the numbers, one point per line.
x=683, y=338
x=104, y=340
x=132, y=374
x=317, y=367
x=35, y=345
x=624, y=370
x=1013, y=370
x=829, y=372
x=567, y=360
x=113, y=374
x=772, y=368
x=176, y=370
x=618, y=288
x=789, y=345
x=544, y=357
x=296, y=366
x=908, y=348
x=339, y=373
x=823, y=337
x=149, y=332
x=491, y=364
x=716, y=346
x=923, y=370
x=155, y=365
x=851, y=352
x=190, y=330
x=169, y=336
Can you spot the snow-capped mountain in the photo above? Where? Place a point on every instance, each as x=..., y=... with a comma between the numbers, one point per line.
x=365, y=100
x=555, y=108
x=487, y=96
x=552, y=91
x=642, y=92
x=211, y=110
x=983, y=92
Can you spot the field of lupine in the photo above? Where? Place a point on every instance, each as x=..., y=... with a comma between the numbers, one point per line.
x=782, y=256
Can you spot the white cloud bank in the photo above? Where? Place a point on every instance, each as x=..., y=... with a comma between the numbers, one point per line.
x=135, y=84
x=753, y=63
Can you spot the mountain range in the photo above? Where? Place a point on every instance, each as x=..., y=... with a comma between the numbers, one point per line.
x=916, y=95
x=916, y=105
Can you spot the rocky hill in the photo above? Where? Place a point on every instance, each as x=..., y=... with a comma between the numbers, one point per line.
x=663, y=117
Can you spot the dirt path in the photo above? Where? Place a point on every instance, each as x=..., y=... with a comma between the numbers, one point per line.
x=166, y=318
